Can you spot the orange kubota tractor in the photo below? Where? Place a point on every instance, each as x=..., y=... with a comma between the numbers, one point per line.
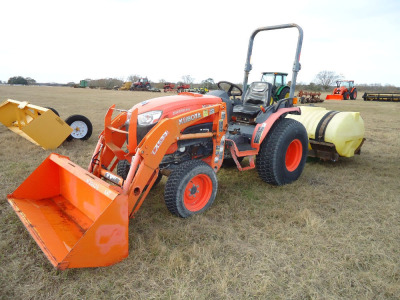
x=79, y=218
x=344, y=90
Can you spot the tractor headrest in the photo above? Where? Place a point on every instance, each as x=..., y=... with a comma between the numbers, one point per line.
x=258, y=93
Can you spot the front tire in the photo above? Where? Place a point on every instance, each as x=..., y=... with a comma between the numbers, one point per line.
x=346, y=96
x=283, y=153
x=191, y=188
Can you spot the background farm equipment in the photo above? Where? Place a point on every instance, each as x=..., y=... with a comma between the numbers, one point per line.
x=198, y=90
x=82, y=84
x=279, y=88
x=143, y=84
x=80, y=218
x=309, y=97
x=344, y=90
x=180, y=87
x=381, y=97
x=43, y=126
x=169, y=87
x=126, y=86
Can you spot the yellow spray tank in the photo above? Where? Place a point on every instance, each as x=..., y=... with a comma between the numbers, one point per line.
x=331, y=133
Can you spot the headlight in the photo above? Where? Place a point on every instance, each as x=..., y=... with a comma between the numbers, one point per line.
x=149, y=117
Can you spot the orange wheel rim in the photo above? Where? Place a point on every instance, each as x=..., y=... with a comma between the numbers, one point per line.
x=293, y=155
x=197, y=192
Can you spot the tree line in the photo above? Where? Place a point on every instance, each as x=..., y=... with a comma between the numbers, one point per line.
x=323, y=81
x=21, y=80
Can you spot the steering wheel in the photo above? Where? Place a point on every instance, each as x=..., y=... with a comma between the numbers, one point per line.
x=230, y=91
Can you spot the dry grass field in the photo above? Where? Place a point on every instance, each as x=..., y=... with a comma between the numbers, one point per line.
x=333, y=234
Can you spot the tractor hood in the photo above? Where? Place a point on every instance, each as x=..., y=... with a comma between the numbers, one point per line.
x=174, y=105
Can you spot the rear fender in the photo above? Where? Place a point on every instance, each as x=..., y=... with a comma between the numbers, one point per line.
x=262, y=129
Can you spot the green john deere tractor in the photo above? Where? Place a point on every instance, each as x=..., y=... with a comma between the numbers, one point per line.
x=279, y=88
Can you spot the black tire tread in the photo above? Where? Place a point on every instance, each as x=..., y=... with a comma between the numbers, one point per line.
x=123, y=168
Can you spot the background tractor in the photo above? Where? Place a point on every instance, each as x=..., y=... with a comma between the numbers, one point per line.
x=179, y=87
x=278, y=81
x=344, y=90
x=143, y=84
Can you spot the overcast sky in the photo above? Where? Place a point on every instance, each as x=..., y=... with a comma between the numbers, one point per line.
x=63, y=41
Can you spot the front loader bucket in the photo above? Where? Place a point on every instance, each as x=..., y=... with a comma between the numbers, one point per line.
x=77, y=219
x=334, y=97
x=37, y=124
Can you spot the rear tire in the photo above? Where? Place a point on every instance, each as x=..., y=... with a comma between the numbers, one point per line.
x=82, y=127
x=353, y=94
x=190, y=189
x=283, y=153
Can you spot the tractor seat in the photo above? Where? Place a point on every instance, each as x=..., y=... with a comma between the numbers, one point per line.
x=258, y=93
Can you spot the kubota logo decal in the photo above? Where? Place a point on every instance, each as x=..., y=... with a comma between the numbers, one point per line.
x=160, y=141
x=189, y=118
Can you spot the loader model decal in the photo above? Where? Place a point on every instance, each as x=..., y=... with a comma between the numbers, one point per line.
x=189, y=118
x=93, y=184
x=160, y=141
